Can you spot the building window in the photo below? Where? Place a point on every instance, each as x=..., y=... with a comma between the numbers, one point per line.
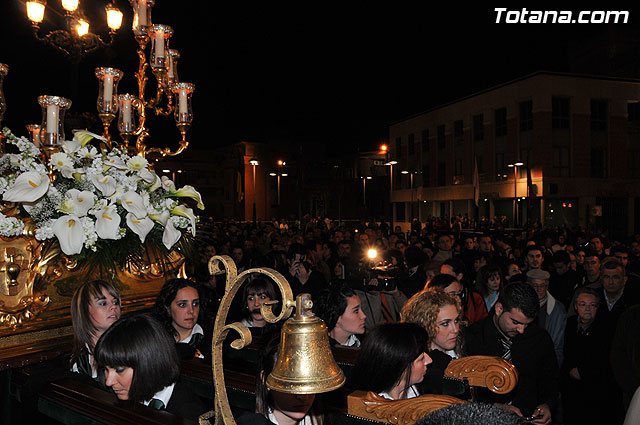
x=501, y=122
x=561, y=161
x=526, y=115
x=442, y=141
x=398, y=146
x=425, y=176
x=457, y=167
x=560, y=112
x=442, y=174
x=411, y=144
x=425, y=140
x=458, y=133
x=598, y=115
x=633, y=111
x=478, y=127
x=598, y=162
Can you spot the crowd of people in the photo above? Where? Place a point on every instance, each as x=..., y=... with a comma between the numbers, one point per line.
x=559, y=304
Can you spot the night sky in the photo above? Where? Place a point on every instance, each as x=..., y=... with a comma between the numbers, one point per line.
x=314, y=72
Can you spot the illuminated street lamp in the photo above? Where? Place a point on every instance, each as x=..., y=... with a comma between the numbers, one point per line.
x=515, y=166
x=254, y=162
x=364, y=189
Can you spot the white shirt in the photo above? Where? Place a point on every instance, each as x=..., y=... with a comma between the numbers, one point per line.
x=197, y=329
x=412, y=392
x=163, y=395
x=304, y=421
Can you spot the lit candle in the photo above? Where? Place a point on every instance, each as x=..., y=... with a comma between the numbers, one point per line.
x=52, y=119
x=126, y=112
x=108, y=91
x=142, y=12
x=183, y=103
x=159, y=44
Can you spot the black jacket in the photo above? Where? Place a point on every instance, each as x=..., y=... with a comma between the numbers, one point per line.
x=533, y=356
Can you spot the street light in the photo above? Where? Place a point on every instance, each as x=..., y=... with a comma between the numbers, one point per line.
x=515, y=166
x=278, y=174
x=391, y=163
x=411, y=173
x=254, y=162
x=364, y=189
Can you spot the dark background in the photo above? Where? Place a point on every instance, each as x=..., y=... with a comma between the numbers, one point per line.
x=311, y=72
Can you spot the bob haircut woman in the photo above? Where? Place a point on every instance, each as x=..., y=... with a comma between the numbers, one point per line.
x=276, y=406
x=391, y=360
x=489, y=284
x=339, y=308
x=140, y=343
x=94, y=307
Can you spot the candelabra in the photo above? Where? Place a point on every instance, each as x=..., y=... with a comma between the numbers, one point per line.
x=75, y=39
x=172, y=97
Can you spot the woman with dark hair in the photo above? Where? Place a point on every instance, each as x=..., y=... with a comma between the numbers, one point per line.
x=440, y=315
x=255, y=293
x=339, y=307
x=274, y=407
x=94, y=307
x=137, y=359
x=489, y=283
x=473, y=306
x=177, y=307
x=392, y=360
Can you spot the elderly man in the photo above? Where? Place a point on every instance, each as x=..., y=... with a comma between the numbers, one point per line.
x=511, y=333
x=585, y=362
x=552, y=315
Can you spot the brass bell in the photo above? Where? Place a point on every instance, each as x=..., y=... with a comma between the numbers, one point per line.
x=305, y=363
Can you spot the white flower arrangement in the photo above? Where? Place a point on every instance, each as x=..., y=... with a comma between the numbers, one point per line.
x=94, y=197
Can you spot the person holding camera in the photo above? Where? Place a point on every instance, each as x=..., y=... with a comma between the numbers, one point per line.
x=299, y=273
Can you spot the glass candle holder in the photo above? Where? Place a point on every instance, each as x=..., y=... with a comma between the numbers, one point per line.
x=108, y=89
x=183, y=93
x=127, y=116
x=34, y=133
x=53, y=110
x=160, y=35
x=141, y=15
x=172, y=67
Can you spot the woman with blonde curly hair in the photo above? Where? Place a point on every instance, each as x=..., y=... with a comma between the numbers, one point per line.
x=440, y=315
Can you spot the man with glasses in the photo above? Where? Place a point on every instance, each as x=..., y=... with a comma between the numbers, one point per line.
x=552, y=315
x=585, y=362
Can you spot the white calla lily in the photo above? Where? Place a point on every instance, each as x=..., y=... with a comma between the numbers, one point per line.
x=167, y=184
x=28, y=187
x=71, y=146
x=147, y=175
x=105, y=184
x=155, y=184
x=170, y=235
x=139, y=226
x=183, y=211
x=70, y=233
x=189, y=191
x=134, y=203
x=108, y=222
x=160, y=217
x=85, y=137
x=77, y=202
x=114, y=161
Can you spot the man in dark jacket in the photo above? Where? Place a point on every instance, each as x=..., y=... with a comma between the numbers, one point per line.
x=510, y=333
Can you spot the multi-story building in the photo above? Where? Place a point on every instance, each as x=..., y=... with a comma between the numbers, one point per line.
x=561, y=148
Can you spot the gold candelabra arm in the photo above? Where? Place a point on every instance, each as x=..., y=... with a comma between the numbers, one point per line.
x=141, y=74
x=183, y=144
x=218, y=265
